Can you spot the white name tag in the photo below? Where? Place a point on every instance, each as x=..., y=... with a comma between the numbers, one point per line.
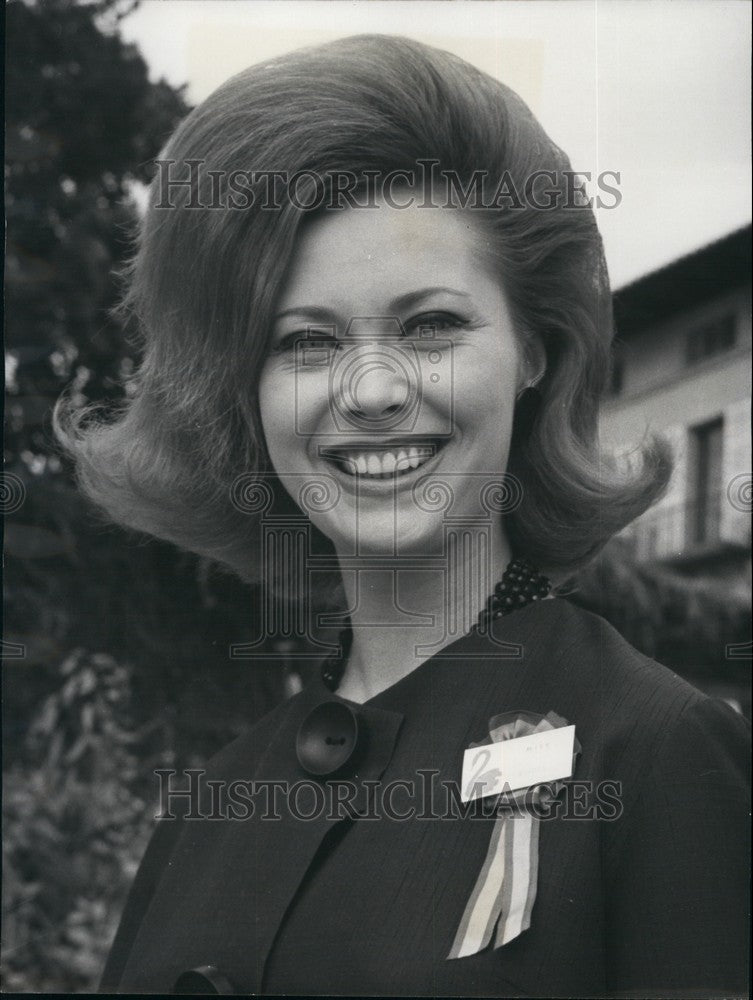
x=513, y=764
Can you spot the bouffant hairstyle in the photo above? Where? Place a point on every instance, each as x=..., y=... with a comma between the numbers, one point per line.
x=206, y=276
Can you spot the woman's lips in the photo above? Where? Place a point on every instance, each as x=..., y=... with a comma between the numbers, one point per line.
x=387, y=461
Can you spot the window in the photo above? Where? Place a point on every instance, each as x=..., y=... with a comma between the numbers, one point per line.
x=711, y=338
x=706, y=479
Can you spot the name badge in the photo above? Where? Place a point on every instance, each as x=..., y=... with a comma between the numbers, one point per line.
x=510, y=765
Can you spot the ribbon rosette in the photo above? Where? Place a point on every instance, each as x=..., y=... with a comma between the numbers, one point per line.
x=502, y=899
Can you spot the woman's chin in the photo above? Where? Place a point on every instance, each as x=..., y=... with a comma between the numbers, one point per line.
x=368, y=537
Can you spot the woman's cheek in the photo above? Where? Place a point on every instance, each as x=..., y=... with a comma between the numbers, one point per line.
x=273, y=396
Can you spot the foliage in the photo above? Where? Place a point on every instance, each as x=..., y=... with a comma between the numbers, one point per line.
x=117, y=638
x=82, y=122
x=68, y=854
x=686, y=623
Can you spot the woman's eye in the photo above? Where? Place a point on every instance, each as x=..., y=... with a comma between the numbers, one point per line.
x=436, y=321
x=308, y=337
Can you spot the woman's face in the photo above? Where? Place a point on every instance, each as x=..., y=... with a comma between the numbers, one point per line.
x=393, y=358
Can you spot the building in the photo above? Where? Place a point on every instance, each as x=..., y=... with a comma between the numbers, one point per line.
x=682, y=367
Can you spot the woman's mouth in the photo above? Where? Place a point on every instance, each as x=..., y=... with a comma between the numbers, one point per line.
x=385, y=462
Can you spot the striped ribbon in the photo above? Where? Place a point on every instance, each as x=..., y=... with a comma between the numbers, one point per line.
x=502, y=900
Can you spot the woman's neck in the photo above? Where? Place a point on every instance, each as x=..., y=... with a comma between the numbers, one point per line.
x=403, y=615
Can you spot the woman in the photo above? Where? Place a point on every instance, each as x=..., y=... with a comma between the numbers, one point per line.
x=376, y=316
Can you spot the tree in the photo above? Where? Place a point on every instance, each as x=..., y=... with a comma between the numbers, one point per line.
x=117, y=654
x=83, y=123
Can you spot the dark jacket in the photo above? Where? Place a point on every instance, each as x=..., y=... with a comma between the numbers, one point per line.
x=643, y=873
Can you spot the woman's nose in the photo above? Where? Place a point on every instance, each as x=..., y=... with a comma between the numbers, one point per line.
x=373, y=385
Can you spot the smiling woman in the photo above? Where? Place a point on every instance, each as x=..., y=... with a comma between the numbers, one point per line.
x=410, y=376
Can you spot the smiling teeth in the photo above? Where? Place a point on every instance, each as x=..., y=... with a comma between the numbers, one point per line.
x=385, y=463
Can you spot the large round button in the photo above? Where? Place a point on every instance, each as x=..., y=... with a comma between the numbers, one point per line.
x=328, y=739
x=204, y=980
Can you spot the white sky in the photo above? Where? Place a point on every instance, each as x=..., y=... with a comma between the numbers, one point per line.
x=655, y=89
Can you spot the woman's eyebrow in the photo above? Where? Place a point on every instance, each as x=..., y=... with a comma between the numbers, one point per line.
x=411, y=299
x=406, y=301
x=318, y=313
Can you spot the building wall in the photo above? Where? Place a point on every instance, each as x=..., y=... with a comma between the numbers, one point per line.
x=662, y=393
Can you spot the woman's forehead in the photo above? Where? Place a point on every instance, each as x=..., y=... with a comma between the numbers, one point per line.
x=384, y=248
